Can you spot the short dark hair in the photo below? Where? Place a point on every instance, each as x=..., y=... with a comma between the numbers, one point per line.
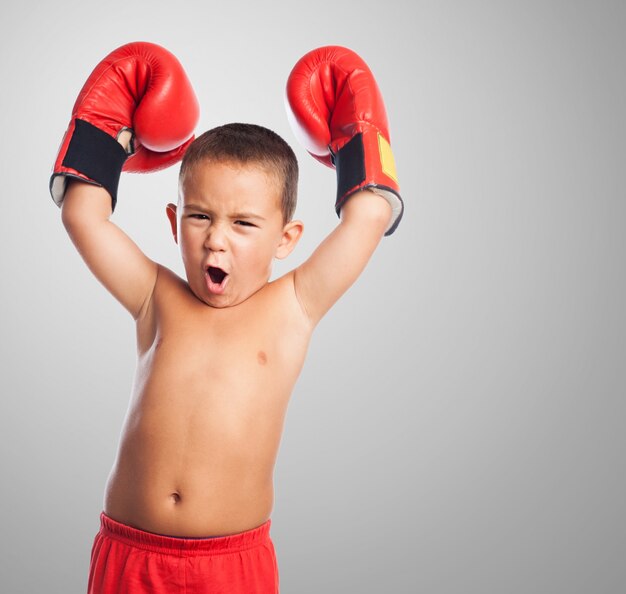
x=248, y=144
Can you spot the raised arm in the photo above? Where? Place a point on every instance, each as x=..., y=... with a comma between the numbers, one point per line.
x=114, y=259
x=137, y=112
x=337, y=112
x=341, y=257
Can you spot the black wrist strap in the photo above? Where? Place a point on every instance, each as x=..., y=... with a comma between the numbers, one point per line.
x=350, y=165
x=96, y=155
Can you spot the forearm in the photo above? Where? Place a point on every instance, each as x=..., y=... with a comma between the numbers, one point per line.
x=112, y=256
x=368, y=211
x=84, y=203
x=342, y=256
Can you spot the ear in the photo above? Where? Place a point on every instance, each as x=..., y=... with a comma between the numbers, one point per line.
x=292, y=232
x=170, y=210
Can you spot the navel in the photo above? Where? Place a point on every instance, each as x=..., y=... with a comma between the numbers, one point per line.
x=175, y=497
x=261, y=357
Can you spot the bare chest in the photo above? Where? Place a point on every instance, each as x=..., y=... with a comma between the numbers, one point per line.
x=259, y=345
x=235, y=353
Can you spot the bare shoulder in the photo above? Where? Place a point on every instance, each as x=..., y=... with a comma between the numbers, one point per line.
x=169, y=284
x=170, y=293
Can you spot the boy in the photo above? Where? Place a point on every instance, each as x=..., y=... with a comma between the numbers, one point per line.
x=189, y=498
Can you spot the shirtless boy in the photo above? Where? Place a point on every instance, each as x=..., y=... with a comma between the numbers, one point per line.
x=189, y=498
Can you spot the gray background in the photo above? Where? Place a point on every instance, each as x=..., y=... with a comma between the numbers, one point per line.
x=459, y=424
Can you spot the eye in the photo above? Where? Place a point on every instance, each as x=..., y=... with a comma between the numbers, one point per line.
x=244, y=223
x=200, y=217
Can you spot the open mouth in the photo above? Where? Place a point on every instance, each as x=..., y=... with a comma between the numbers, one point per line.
x=216, y=279
x=217, y=275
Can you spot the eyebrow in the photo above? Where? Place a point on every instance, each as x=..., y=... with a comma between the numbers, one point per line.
x=237, y=215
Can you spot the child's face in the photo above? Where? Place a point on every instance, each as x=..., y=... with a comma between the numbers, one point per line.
x=229, y=227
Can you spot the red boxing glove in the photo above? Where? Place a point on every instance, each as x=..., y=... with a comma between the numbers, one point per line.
x=140, y=87
x=337, y=112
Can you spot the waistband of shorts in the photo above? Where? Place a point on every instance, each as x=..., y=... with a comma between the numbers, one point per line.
x=161, y=543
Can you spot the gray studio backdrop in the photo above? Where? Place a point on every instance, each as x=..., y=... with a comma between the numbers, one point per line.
x=459, y=424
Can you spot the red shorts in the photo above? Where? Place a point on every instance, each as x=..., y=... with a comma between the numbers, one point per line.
x=125, y=560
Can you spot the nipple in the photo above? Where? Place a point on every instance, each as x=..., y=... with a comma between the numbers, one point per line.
x=261, y=357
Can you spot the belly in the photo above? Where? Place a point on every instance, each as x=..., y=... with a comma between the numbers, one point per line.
x=174, y=508
x=195, y=467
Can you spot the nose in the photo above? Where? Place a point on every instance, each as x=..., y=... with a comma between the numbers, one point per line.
x=216, y=238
